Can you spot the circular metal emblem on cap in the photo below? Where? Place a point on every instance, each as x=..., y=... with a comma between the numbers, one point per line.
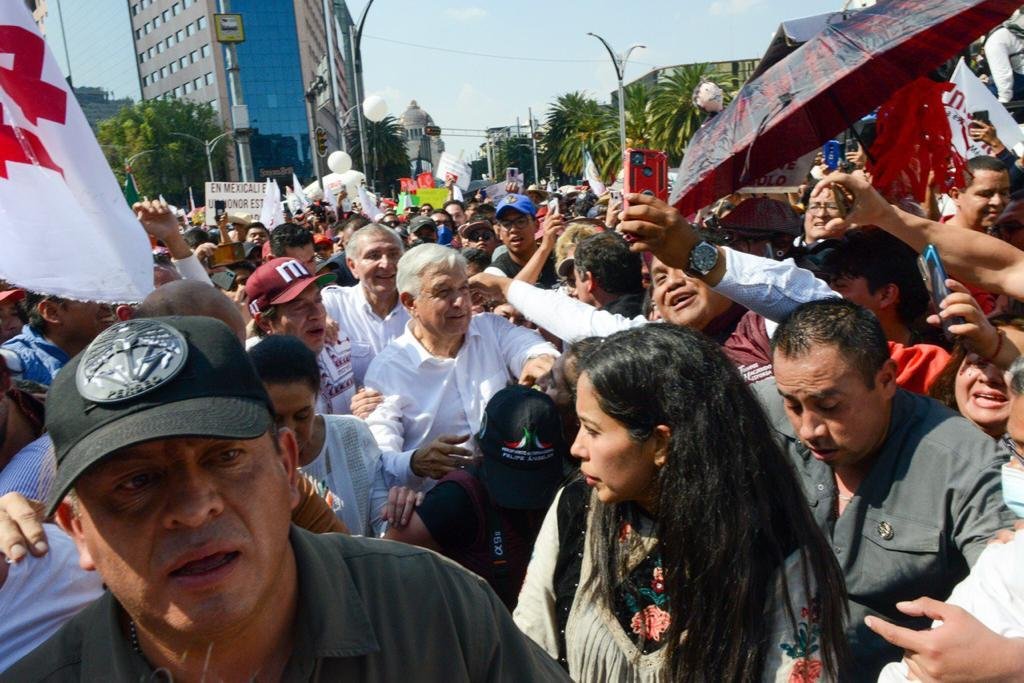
x=129, y=359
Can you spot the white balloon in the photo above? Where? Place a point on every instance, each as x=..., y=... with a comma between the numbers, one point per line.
x=339, y=161
x=351, y=177
x=375, y=108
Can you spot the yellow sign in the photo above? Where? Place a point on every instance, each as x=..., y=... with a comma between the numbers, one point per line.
x=435, y=197
x=229, y=28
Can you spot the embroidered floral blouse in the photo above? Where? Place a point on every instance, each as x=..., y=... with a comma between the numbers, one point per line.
x=626, y=644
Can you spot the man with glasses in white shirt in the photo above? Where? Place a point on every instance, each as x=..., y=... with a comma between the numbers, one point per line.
x=439, y=375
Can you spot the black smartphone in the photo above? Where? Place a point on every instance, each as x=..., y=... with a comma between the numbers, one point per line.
x=220, y=207
x=981, y=116
x=934, y=274
x=225, y=279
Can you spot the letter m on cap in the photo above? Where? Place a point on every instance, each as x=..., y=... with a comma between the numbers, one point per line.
x=291, y=270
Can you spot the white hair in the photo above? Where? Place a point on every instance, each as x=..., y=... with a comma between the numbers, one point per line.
x=415, y=262
x=354, y=247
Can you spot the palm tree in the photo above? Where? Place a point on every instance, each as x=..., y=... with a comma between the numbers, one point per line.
x=577, y=122
x=385, y=151
x=673, y=117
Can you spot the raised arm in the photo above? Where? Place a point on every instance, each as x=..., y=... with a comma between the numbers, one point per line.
x=991, y=263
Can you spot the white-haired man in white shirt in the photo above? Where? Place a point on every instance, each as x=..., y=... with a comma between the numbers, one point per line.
x=437, y=377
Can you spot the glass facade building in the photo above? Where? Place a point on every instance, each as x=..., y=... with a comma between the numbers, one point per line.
x=272, y=85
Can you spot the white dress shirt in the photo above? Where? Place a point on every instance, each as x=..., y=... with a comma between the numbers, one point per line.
x=1003, y=50
x=426, y=396
x=368, y=332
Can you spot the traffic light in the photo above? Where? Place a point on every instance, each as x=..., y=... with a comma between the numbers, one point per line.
x=321, y=141
x=432, y=131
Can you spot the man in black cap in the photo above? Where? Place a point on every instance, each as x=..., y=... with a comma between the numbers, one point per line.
x=179, y=490
x=486, y=518
x=423, y=229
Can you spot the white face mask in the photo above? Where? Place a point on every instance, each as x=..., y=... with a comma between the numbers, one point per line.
x=1013, y=489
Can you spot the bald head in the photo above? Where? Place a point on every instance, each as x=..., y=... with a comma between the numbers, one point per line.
x=191, y=297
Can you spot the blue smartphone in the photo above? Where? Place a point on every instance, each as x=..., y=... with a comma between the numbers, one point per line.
x=834, y=153
x=934, y=274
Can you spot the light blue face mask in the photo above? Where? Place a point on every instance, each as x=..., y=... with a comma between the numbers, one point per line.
x=1013, y=489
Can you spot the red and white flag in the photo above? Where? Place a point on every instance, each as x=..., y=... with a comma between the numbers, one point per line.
x=64, y=224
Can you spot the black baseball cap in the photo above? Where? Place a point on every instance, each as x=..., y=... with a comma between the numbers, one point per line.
x=421, y=222
x=147, y=379
x=523, y=447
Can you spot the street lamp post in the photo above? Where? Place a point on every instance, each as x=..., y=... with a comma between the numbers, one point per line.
x=620, y=70
x=128, y=160
x=208, y=145
x=357, y=60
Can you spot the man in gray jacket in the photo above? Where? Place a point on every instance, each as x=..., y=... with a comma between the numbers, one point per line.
x=907, y=492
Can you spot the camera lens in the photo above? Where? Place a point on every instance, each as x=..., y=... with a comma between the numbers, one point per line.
x=637, y=158
x=648, y=171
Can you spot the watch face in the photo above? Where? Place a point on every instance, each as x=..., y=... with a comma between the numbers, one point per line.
x=703, y=258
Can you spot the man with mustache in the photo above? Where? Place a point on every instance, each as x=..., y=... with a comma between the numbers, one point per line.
x=178, y=493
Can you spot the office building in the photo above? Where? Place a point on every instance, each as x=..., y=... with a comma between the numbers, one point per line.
x=286, y=55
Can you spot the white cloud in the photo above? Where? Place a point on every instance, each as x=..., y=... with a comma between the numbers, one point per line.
x=719, y=7
x=465, y=14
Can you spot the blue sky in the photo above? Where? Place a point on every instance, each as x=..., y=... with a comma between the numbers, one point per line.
x=475, y=92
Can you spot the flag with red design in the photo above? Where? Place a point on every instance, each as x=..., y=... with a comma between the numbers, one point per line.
x=66, y=229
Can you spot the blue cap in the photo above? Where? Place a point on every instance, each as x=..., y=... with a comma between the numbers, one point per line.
x=519, y=202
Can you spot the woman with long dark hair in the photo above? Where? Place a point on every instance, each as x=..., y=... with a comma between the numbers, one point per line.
x=687, y=552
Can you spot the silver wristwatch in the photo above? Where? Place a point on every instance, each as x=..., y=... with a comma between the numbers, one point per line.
x=703, y=259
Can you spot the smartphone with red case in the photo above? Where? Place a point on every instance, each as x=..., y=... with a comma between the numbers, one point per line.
x=646, y=172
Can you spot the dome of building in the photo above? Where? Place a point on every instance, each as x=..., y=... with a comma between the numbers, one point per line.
x=414, y=117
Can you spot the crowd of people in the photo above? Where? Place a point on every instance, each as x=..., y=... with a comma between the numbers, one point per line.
x=543, y=436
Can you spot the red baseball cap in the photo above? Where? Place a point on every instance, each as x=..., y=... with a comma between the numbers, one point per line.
x=11, y=296
x=280, y=280
x=319, y=239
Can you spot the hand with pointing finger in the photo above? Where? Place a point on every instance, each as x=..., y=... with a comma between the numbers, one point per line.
x=441, y=456
x=960, y=649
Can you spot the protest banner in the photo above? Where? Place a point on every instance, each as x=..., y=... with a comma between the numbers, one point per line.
x=425, y=180
x=970, y=95
x=237, y=198
x=786, y=178
x=449, y=164
x=435, y=197
x=67, y=230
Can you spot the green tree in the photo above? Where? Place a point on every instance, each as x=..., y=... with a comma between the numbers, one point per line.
x=673, y=117
x=175, y=163
x=385, y=152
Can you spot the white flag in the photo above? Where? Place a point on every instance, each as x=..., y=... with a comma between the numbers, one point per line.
x=370, y=208
x=593, y=177
x=457, y=194
x=331, y=198
x=56, y=187
x=300, y=196
x=272, y=212
x=968, y=96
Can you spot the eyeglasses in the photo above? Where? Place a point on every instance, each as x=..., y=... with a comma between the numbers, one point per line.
x=830, y=207
x=480, y=236
x=518, y=223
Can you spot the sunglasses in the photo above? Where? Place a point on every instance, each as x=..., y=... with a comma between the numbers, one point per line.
x=480, y=236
